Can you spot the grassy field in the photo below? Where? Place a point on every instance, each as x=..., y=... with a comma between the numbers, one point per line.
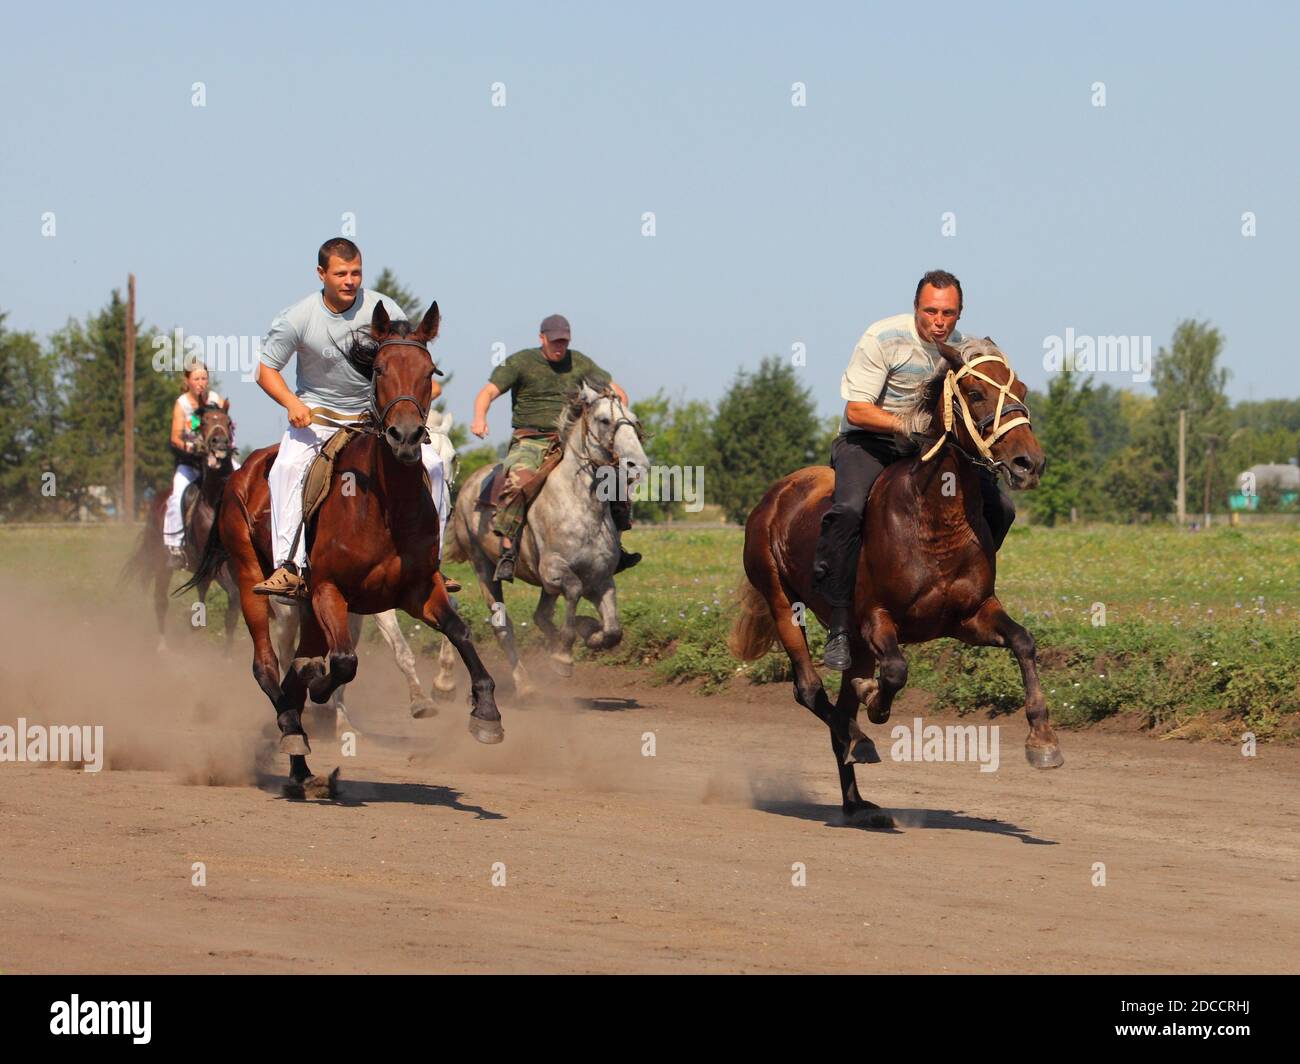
x=1200, y=635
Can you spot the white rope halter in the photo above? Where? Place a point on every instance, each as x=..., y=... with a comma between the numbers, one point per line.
x=951, y=393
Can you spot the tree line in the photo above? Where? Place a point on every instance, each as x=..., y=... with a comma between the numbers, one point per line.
x=1112, y=453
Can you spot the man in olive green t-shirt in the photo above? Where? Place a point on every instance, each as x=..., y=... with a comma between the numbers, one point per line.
x=537, y=379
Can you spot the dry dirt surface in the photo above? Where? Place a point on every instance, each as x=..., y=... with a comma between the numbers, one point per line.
x=566, y=849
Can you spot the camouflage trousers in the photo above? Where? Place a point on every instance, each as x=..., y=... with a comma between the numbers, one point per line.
x=522, y=461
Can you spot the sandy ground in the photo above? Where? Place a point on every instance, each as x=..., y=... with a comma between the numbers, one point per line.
x=612, y=861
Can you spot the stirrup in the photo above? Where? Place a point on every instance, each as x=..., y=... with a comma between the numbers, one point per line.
x=505, y=569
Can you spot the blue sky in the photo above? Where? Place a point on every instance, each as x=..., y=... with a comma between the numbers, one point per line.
x=775, y=224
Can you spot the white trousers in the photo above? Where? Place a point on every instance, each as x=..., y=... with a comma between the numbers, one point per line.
x=173, y=521
x=298, y=447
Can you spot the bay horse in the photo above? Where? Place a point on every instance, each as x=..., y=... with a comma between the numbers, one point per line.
x=927, y=563
x=151, y=560
x=373, y=546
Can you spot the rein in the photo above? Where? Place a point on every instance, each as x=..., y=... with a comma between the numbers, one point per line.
x=952, y=396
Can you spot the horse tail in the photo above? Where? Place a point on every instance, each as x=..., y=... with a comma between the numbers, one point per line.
x=755, y=629
x=214, y=554
x=147, y=546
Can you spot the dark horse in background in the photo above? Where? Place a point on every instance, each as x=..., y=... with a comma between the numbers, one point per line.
x=370, y=549
x=151, y=560
x=927, y=563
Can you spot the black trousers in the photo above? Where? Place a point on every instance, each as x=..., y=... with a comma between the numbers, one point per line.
x=858, y=458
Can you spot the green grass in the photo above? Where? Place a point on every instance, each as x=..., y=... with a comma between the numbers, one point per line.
x=1201, y=632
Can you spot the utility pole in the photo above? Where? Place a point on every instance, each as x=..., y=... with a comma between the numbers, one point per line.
x=128, y=406
x=1182, y=467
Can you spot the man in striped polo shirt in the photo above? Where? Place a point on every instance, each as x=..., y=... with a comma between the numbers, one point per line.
x=891, y=364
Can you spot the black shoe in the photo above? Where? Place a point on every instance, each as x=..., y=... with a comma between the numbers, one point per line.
x=836, y=655
x=505, y=567
x=176, y=558
x=626, y=560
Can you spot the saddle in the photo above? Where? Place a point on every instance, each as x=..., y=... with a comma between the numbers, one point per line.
x=320, y=474
x=496, y=492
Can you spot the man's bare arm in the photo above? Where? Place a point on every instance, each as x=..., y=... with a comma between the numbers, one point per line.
x=270, y=381
x=482, y=401
x=872, y=418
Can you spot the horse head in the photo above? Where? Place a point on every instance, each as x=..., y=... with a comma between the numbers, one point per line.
x=216, y=433
x=394, y=355
x=979, y=403
x=600, y=431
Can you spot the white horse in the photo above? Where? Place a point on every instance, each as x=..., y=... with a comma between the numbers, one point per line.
x=570, y=544
x=284, y=616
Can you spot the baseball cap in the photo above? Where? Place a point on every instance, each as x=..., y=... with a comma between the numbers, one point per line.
x=556, y=327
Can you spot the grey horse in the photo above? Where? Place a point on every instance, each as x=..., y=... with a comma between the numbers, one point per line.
x=570, y=545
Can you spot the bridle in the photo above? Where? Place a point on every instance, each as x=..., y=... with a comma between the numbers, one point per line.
x=377, y=416
x=984, y=444
x=589, y=437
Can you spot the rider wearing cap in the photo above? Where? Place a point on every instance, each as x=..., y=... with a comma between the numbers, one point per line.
x=319, y=329
x=891, y=364
x=538, y=378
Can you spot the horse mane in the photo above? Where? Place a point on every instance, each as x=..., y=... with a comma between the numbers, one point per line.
x=928, y=398
x=574, y=405
x=363, y=347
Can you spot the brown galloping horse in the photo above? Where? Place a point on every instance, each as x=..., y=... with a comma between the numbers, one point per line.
x=926, y=567
x=151, y=561
x=372, y=548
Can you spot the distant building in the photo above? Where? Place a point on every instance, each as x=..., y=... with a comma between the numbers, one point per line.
x=1282, y=477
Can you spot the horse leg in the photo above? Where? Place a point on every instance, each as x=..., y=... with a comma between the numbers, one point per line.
x=811, y=694
x=484, y=717
x=990, y=626
x=610, y=633
x=421, y=705
x=293, y=696
x=856, y=688
x=324, y=677
x=444, y=680
x=882, y=638
x=342, y=722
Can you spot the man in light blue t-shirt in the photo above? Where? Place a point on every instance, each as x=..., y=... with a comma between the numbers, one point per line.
x=318, y=329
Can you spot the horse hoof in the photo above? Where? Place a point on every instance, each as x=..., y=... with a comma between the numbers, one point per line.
x=295, y=744
x=562, y=667
x=444, y=694
x=310, y=669
x=1044, y=756
x=864, y=753
x=488, y=732
x=875, y=713
x=321, y=787
x=422, y=708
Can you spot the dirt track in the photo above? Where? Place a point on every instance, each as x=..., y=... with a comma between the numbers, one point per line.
x=614, y=862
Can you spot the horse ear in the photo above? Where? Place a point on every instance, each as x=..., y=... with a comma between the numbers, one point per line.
x=379, y=321
x=951, y=354
x=429, y=323
x=225, y=405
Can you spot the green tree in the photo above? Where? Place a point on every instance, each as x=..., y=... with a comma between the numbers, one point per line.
x=1188, y=377
x=678, y=435
x=87, y=453
x=28, y=423
x=1063, y=434
x=766, y=427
